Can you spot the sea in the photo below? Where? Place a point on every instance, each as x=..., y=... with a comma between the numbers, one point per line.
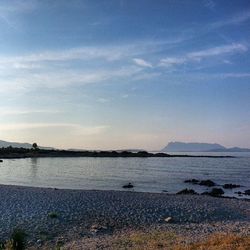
x=146, y=174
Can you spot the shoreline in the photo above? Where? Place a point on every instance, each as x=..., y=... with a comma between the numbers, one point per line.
x=122, y=191
x=76, y=211
x=20, y=153
x=82, y=156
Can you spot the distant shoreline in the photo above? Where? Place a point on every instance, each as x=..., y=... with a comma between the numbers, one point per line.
x=19, y=153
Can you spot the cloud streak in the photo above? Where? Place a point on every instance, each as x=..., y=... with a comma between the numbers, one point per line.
x=76, y=128
x=197, y=56
x=17, y=111
x=86, y=53
x=10, y=11
x=142, y=63
x=22, y=81
x=235, y=20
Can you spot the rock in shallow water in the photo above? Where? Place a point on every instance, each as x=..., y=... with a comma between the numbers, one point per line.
x=217, y=192
x=247, y=192
x=230, y=186
x=128, y=185
x=187, y=191
x=207, y=183
x=194, y=181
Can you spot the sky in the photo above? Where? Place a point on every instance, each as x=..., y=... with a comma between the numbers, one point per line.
x=113, y=74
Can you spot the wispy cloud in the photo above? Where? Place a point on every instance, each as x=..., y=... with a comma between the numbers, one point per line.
x=234, y=75
x=235, y=20
x=86, y=53
x=216, y=51
x=142, y=63
x=18, y=111
x=197, y=56
x=103, y=100
x=125, y=96
x=23, y=81
x=10, y=9
x=172, y=61
x=76, y=128
x=16, y=6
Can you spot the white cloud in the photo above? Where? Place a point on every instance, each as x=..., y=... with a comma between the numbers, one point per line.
x=76, y=128
x=16, y=6
x=172, y=61
x=125, y=96
x=10, y=9
x=234, y=75
x=18, y=111
x=102, y=100
x=235, y=20
x=86, y=53
x=146, y=76
x=23, y=81
x=216, y=51
x=197, y=56
x=142, y=63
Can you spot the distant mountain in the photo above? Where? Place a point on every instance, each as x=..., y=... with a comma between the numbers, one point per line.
x=200, y=147
x=5, y=144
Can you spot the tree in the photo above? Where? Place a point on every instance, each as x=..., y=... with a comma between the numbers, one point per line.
x=34, y=146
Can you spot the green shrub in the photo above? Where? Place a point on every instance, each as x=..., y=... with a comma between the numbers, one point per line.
x=53, y=215
x=18, y=240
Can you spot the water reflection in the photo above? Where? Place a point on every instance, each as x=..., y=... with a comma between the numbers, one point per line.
x=34, y=167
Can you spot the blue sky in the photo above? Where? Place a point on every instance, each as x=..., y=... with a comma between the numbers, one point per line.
x=125, y=74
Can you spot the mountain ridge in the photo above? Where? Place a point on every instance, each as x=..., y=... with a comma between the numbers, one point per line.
x=5, y=144
x=200, y=147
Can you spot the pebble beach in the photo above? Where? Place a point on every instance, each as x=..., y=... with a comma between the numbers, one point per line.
x=47, y=214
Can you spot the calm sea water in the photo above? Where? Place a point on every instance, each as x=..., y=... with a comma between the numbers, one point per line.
x=147, y=174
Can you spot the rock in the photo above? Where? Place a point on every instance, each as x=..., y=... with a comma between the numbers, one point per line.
x=187, y=191
x=194, y=181
x=59, y=242
x=97, y=228
x=247, y=192
x=217, y=192
x=128, y=185
x=168, y=219
x=230, y=186
x=39, y=242
x=1, y=160
x=207, y=183
x=239, y=192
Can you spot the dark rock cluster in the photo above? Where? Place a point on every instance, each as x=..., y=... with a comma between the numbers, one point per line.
x=207, y=183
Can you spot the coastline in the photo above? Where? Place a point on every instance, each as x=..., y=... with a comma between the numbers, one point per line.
x=76, y=211
x=20, y=153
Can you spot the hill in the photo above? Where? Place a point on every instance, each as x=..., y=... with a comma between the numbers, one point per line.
x=5, y=144
x=200, y=147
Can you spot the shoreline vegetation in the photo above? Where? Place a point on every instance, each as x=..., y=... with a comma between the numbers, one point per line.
x=90, y=219
x=16, y=153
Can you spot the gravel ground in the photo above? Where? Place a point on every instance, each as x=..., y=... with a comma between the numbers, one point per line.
x=82, y=213
x=188, y=233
